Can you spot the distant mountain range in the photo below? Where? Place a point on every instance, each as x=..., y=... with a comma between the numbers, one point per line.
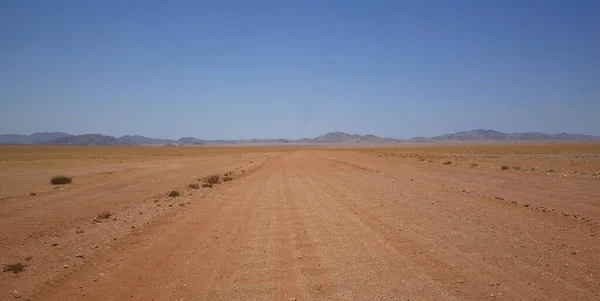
x=329, y=138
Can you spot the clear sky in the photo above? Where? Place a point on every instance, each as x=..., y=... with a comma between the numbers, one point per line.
x=244, y=69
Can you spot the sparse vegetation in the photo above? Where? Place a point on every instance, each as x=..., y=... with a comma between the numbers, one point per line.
x=421, y=159
x=504, y=167
x=448, y=162
x=194, y=186
x=517, y=167
x=61, y=180
x=207, y=185
x=227, y=179
x=105, y=215
x=213, y=179
x=473, y=165
x=174, y=193
x=15, y=268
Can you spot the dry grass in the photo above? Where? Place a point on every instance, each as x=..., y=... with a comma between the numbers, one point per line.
x=194, y=186
x=15, y=268
x=61, y=180
x=212, y=179
x=581, y=158
x=104, y=215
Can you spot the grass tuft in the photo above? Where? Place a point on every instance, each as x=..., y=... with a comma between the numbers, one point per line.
x=15, y=268
x=194, y=186
x=105, y=215
x=207, y=185
x=60, y=180
x=213, y=179
x=227, y=179
x=447, y=162
x=174, y=193
x=504, y=167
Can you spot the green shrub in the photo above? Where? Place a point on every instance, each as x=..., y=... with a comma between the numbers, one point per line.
x=174, y=193
x=60, y=180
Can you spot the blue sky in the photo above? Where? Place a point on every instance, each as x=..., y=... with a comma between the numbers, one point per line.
x=244, y=69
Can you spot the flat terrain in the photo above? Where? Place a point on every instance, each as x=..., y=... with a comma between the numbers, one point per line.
x=411, y=222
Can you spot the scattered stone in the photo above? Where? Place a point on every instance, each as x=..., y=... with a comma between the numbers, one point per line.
x=499, y=198
x=66, y=266
x=549, y=170
x=32, y=193
x=54, y=244
x=79, y=231
x=461, y=281
x=525, y=205
x=28, y=258
x=79, y=255
x=574, y=253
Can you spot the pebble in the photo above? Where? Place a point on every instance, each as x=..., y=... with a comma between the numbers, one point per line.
x=79, y=255
x=66, y=266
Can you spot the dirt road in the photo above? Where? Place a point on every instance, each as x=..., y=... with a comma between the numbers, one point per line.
x=325, y=225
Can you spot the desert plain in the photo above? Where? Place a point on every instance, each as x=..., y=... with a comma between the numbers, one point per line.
x=463, y=221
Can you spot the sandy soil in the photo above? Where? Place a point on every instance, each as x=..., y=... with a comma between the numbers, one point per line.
x=297, y=224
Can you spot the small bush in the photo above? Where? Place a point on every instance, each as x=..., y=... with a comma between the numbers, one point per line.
x=194, y=186
x=60, y=180
x=174, y=193
x=214, y=179
x=15, y=268
x=472, y=165
x=227, y=179
x=105, y=215
x=447, y=162
x=504, y=167
x=421, y=159
x=207, y=185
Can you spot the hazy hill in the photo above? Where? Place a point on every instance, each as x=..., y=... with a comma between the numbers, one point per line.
x=329, y=138
x=88, y=139
x=490, y=135
x=345, y=138
x=35, y=138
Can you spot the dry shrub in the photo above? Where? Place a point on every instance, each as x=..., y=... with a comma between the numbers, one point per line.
x=213, y=179
x=60, y=180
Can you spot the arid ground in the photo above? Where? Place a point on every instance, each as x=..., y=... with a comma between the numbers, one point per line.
x=410, y=222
